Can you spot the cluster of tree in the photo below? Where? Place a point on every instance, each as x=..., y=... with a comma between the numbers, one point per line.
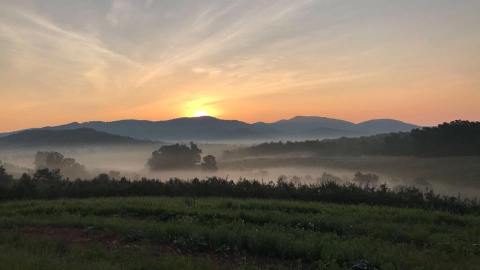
x=457, y=138
x=5, y=178
x=180, y=156
x=49, y=184
x=56, y=161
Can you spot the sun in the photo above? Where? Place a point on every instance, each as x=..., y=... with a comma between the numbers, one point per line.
x=200, y=108
x=200, y=113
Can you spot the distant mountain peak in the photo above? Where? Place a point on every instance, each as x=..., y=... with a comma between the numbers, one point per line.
x=316, y=118
x=376, y=126
x=301, y=117
x=203, y=117
x=382, y=120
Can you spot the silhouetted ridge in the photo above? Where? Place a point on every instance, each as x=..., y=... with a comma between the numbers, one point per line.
x=79, y=136
x=385, y=126
x=213, y=129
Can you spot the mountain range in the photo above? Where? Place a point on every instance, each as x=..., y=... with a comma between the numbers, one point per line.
x=65, y=137
x=214, y=129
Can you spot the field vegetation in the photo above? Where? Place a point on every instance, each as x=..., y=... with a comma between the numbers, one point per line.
x=52, y=222
x=221, y=233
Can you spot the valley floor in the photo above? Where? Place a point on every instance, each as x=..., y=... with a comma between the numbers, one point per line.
x=224, y=233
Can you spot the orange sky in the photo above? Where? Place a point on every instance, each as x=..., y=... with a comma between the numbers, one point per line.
x=64, y=61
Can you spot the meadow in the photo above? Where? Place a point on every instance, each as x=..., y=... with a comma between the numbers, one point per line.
x=225, y=233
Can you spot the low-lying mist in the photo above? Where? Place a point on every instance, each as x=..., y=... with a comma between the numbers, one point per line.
x=450, y=176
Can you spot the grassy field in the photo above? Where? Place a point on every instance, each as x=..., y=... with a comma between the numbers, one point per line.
x=220, y=233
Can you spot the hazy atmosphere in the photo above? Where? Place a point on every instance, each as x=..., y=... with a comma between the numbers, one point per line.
x=243, y=134
x=64, y=61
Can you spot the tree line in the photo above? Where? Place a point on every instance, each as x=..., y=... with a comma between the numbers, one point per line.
x=50, y=184
x=457, y=138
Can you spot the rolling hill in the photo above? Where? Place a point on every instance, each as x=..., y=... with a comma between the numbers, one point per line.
x=384, y=126
x=65, y=137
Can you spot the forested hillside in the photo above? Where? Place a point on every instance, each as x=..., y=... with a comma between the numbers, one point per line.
x=457, y=138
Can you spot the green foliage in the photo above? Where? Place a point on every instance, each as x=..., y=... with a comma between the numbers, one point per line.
x=51, y=185
x=43, y=253
x=297, y=235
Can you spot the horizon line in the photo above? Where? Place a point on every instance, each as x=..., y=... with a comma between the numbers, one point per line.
x=219, y=118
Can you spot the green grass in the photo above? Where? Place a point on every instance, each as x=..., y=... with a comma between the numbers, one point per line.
x=38, y=253
x=256, y=233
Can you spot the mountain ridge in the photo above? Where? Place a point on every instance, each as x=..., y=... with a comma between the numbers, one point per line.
x=65, y=137
x=209, y=128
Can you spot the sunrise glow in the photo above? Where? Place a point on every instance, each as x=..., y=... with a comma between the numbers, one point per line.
x=202, y=106
x=200, y=114
x=245, y=60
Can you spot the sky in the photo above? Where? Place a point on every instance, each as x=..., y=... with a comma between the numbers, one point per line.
x=252, y=60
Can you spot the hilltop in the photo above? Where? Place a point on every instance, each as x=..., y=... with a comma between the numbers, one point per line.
x=65, y=137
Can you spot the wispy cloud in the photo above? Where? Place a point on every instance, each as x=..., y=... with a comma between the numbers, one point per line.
x=56, y=33
x=214, y=40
